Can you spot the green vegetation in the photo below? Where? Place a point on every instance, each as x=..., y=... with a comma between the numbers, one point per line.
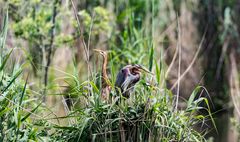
x=50, y=78
x=14, y=113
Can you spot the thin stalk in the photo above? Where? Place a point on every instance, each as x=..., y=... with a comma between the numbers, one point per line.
x=50, y=50
x=85, y=47
x=179, y=64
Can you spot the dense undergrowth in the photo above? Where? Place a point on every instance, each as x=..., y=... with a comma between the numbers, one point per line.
x=149, y=115
x=50, y=78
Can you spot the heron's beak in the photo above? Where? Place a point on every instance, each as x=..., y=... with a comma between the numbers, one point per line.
x=100, y=51
x=97, y=50
x=141, y=68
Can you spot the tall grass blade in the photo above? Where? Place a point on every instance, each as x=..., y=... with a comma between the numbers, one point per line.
x=193, y=96
x=151, y=58
x=4, y=31
x=158, y=73
x=31, y=112
x=6, y=57
x=23, y=92
x=12, y=80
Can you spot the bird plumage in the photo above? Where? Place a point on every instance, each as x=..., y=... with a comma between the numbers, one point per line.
x=106, y=87
x=127, y=78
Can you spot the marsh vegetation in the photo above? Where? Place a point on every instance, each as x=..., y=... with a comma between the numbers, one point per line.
x=178, y=63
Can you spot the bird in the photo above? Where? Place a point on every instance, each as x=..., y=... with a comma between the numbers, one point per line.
x=127, y=78
x=106, y=85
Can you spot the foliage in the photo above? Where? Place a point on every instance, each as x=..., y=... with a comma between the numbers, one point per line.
x=35, y=25
x=98, y=22
x=15, y=124
x=149, y=115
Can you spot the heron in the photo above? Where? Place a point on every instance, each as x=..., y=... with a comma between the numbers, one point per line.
x=127, y=77
x=106, y=86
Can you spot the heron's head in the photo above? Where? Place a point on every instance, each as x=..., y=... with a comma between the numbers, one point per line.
x=101, y=52
x=139, y=68
x=128, y=76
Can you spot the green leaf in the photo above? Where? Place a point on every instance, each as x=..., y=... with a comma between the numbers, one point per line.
x=12, y=80
x=2, y=112
x=193, y=95
x=4, y=31
x=6, y=57
x=23, y=92
x=158, y=73
x=151, y=58
x=31, y=112
x=94, y=87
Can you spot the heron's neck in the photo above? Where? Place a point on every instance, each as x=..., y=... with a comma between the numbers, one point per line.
x=104, y=68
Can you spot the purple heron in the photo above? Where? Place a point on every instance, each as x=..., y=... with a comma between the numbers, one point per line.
x=126, y=79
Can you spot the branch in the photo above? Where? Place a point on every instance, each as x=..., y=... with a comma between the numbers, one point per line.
x=50, y=49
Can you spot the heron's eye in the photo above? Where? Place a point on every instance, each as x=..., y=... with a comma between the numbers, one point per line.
x=134, y=71
x=122, y=71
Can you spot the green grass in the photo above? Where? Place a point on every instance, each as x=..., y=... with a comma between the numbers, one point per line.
x=14, y=114
x=148, y=115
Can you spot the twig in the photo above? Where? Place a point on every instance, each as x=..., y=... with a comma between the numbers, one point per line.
x=220, y=62
x=179, y=64
x=234, y=84
x=50, y=50
x=85, y=47
x=172, y=62
x=191, y=64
